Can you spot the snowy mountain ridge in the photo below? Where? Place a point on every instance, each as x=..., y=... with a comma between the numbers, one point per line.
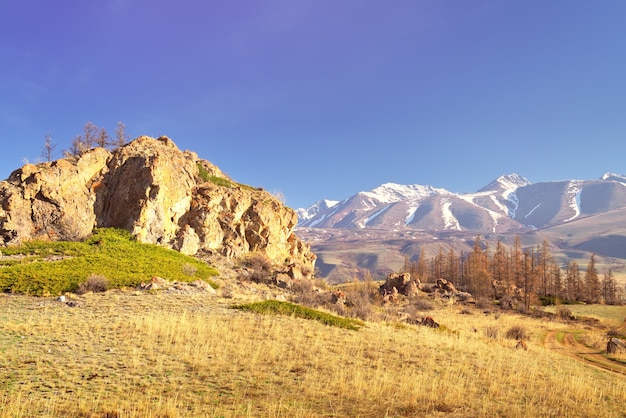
x=510, y=202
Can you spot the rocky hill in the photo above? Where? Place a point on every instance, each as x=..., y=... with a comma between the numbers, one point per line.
x=162, y=195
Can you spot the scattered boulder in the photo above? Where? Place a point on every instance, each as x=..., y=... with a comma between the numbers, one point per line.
x=284, y=281
x=429, y=322
x=615, y=345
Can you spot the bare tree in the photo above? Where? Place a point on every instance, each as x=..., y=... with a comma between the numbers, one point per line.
x=77, y=148
x=103, y=140
x=48, y=148
x=90, y=135
x=120, y=136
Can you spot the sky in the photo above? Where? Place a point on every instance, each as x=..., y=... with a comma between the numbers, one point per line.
x=321, y=99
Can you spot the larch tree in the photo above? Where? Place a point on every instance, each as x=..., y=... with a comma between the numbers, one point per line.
x=592, y=283
x=120, y=135
x=48, y=148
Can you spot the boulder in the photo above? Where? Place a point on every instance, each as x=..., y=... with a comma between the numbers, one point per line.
x=399, y=283
x=615, y=345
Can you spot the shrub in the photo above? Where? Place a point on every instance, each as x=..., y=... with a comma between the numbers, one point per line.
x=517, y=332
x=564, y=313
x=95, y=283
x=491, y=332
x=260, y=267
x=423, y=305
x=483, y=303
x=308, y=293
x=286, y=308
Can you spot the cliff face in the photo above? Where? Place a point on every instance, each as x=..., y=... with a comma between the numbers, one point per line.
x=161, y=194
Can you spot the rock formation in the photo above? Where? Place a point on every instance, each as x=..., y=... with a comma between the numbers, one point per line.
x=161, y=194
x=401, y=283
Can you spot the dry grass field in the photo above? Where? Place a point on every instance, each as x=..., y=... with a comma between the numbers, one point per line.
x=163, y=354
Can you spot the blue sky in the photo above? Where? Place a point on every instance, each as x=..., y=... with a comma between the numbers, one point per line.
x=318, y=99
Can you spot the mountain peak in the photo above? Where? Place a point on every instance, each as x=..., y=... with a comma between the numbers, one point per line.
x=506, y=182
x=608, y=176
x=393, y=192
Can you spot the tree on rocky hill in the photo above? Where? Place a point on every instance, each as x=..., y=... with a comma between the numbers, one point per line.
x=48, y=148
x=120, y=135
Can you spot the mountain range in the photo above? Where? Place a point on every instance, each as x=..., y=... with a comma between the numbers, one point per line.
x=573, y=215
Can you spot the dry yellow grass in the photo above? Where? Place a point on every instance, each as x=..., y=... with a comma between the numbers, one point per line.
x=167, y=355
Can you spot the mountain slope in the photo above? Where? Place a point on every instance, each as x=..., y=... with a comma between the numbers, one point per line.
x=378, y=229
x=509, y=203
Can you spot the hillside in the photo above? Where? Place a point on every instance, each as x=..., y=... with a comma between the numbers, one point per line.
x=166, y=353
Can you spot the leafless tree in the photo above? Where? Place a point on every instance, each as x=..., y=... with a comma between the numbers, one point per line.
x=48, y=149
x=120, y=136
x=103, y=140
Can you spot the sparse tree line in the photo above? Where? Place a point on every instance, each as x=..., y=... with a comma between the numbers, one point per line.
x=525, y=276
x=92, y=136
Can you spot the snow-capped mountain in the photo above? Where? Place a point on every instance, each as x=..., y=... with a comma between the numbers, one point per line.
x=507, y=204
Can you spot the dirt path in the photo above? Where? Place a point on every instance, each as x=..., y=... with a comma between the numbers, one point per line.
x=572, y=347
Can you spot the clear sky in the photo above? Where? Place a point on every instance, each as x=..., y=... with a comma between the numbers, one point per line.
x=318, y=99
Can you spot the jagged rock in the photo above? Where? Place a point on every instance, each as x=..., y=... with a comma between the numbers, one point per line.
x=161, y=194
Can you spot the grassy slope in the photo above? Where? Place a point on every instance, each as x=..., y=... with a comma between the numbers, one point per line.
x=111, y=253
x=134, y=355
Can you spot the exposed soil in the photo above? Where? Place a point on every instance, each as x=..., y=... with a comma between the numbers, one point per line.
x=572, y=347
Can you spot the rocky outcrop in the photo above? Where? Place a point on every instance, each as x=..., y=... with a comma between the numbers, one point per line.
x=399, y=283
x=161, y=194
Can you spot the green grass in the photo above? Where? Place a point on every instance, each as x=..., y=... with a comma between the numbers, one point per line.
x=111, y=253
x=611, y=315
x=298, y=311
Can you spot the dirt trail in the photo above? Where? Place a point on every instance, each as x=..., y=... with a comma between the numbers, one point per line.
x=572, y=347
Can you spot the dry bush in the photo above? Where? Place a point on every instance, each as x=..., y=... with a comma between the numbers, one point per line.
x=95, y=283
x=361, y=296
x=260, y=267
x=517, y=332
x=309, y=293
x=423, y=305
x=484, y=303
x=564, y=313
x=491, y=332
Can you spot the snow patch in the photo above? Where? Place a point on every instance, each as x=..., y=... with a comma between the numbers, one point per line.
x=375, y=215
x=449, y=221
x=573, y=194
x=410, y=215
x=531, y=211
x=511, y=196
